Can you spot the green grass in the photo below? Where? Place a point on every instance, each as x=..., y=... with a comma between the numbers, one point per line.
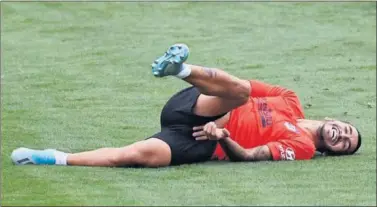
x=77, y=76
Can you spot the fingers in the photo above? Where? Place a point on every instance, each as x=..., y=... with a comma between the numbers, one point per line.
x=226, y=132
x=201, y=138
x=198, y=134
x=212, y=129
x=208, y=129
x=207, y=132
x=196, y=128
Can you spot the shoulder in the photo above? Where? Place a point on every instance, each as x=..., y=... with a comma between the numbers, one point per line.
x=291, y=131
x=287, y=129
x=293, y=144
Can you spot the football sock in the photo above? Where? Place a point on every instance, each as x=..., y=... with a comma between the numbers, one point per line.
x=60, y=158
x=185, y=71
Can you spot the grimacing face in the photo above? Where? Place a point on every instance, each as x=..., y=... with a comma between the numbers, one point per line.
x=339, y=137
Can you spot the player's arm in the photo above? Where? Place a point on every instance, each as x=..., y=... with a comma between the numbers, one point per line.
x=296, y=148
x=235, y=152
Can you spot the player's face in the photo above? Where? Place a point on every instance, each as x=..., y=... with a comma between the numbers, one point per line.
x=339, y=137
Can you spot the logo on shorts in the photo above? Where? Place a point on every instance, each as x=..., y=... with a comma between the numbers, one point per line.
x=290, y=127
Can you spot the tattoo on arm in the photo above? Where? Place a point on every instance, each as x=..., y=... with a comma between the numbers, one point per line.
x=259, y=154
x=210, y=72
x=237, y=153
x=233, y=150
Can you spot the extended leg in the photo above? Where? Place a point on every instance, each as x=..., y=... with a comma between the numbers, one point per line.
x=147, y=153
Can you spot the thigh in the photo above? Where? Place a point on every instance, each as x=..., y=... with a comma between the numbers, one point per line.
x=184, y=148
x=213, y=105
x=190, y=107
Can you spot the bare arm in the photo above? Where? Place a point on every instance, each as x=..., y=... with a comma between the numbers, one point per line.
x=296, y=148
x=234, y=151
x=237, y=153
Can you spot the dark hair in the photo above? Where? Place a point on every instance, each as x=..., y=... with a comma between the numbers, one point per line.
x=358, y=142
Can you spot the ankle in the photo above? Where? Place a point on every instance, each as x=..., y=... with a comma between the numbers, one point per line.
x=185, y=71
x=60, y=158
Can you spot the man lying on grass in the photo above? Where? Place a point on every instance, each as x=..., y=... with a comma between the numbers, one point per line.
x=245, y=120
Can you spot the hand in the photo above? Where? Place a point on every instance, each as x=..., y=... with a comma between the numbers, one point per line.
x=210, y=132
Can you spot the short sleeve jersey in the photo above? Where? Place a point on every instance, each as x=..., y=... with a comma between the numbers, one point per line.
x=270, y=118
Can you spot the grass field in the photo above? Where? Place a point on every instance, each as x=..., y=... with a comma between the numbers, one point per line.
x=77, y=76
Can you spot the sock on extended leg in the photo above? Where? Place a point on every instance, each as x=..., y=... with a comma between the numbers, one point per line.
x=186, y=71
x=60, y=158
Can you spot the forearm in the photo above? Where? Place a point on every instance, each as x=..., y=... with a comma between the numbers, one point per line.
x=235, y=152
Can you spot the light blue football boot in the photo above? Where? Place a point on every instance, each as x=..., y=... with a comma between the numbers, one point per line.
x=171, y=62
x=24, y=156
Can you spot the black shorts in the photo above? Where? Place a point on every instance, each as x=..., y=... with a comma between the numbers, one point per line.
x=177, y=120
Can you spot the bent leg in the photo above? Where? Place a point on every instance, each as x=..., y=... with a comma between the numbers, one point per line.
x=216, y=82
x=221, y=92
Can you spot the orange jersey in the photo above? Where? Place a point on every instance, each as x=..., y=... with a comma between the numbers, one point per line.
x=270, y=118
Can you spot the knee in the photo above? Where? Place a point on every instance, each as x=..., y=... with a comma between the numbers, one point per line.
x=148, y=158
x=116, y=157
x=142, y=158
x=154, y=153
x=243, y=91
x=141, y=154
x=120, y=157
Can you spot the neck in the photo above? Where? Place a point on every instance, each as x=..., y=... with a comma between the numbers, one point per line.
x=312, y=127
